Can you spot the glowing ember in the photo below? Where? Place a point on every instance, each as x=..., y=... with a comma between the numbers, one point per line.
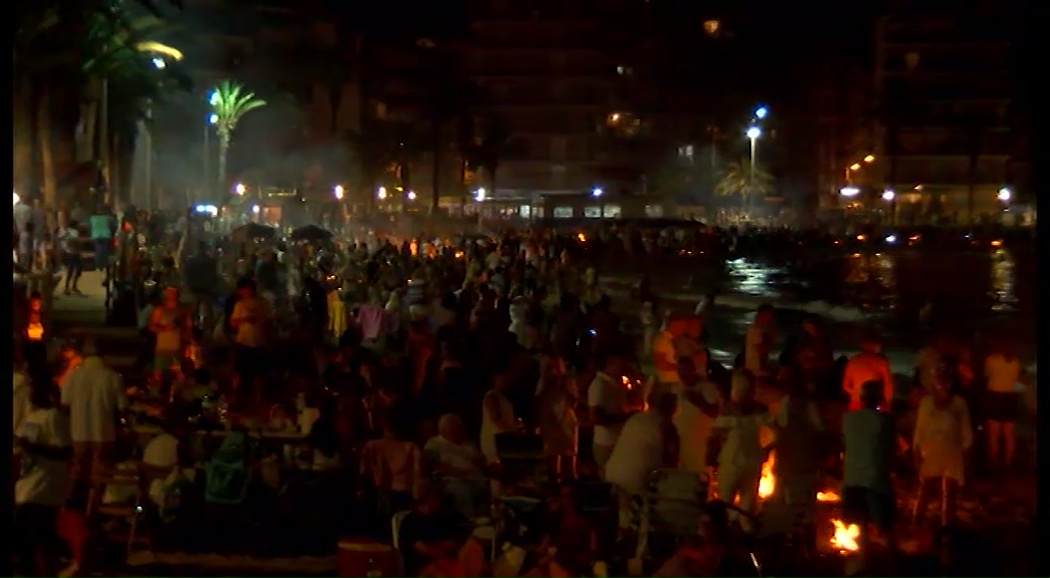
x=627, y=383
x=845, y=538
x=582, y=237
x=827, y=497
x=767, y=484
x=35, y=331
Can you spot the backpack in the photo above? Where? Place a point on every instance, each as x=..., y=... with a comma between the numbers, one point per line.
x=228, y=473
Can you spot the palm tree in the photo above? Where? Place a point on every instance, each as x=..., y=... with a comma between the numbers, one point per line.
x=492, y=145
x=741, y=179
x=230, y=102
x=63, y=52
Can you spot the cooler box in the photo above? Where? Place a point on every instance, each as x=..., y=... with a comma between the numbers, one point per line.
x=355, y=554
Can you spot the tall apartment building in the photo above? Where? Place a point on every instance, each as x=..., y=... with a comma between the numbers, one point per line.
x=552, y=71
x=945, y=92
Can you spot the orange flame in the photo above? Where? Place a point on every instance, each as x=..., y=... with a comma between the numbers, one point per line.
x=768, y=483
x=845, y=538
x=827, y=497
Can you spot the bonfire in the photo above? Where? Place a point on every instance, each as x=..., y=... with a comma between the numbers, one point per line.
x=845, y=538
x=768, y=483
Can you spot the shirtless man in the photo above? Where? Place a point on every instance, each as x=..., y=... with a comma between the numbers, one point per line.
x=868, y=365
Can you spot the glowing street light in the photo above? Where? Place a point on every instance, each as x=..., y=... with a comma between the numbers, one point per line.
x=479, y=195
x=411, y=195
x=869, y=159
x=854, y=167
x=381, y=193
x=240, y=189
x=761, y=112
x=213, y=118
x=849, y=191
x=888, y=195
x=597, y=192
x=255, y=209
x=339, y=191
x=1004, y=195
x=159, y=63
x=753, y=133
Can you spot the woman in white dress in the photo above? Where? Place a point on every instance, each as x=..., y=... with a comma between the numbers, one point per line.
x=943, y=435
x=559, y=426
x=698, y=403
x=497, y=416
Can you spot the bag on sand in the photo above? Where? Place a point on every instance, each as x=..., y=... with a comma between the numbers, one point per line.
x=228, y=472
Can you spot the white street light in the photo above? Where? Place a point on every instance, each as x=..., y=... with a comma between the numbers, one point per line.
x=761, y=112
x=888, y=195
x=754, y=132
x=159, y=63
x=849, y=191
x=213, y=118
x=255, y=209
x=213, y=97
x=240, y=189
x=1004, y=195
x=381, y=193
x=339, y=191
x=479, y=194
x=411, y=195
x=597, y=192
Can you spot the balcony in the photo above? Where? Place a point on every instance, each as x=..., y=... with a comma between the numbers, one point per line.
x=947, y=171
x=954, y=143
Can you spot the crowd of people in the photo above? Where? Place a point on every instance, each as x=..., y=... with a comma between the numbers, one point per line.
x=422, y=377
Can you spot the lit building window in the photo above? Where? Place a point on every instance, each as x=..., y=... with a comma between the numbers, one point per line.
x=624, y=123
x=686, y=151
x=612, y=211
x=592, y=212
x=562, y=212
x=712, y=27
x=525, y=211
x=654, y=211
x=624, y=70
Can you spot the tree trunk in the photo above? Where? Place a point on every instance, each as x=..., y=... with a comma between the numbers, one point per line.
x=224, y=147
x=44, y=142
x=22, y=138
x=435, y=173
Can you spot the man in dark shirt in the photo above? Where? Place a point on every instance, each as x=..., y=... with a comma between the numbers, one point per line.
x=202, y=278
x=429, y=533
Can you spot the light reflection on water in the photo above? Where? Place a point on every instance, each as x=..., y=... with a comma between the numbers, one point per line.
x=753, y=278
x=1004, y=273
x=887, y=281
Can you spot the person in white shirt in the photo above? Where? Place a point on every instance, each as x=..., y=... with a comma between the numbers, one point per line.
x=1002, y=405
x=943, y=435
x=497, y=416
x=610, y=407
x=69, y=252
x=42, y=486
x=698, y=403
x=250, y=317
x=868, y=499
x=557, y=398
x=94, y=396
x=797, y=426
x=20, y=397
x=759, y=342
x=162, y=453
x=460, y=464
x=741, y=457
x=648, y=442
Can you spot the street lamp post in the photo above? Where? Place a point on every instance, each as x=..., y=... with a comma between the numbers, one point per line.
x=752, y=134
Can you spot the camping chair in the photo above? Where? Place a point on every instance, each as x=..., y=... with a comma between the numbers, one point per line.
x=395, y=538
x=130, y=480
x=671, y=507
